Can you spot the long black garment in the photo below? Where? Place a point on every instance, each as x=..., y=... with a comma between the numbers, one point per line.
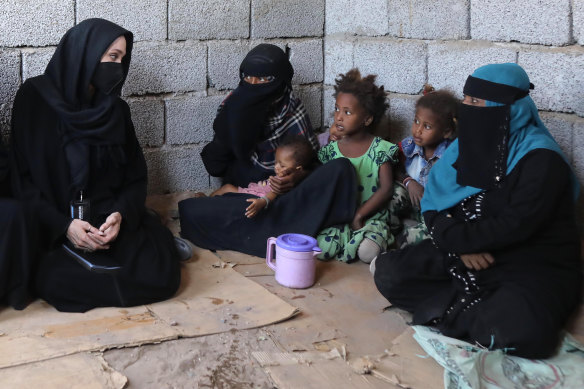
x=16, y=244
x=64, y=140
x=523, y=300
x=325, y=198
x=144, y=247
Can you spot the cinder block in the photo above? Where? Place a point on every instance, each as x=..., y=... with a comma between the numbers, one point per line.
x=450, y=63
x=35, y=62
x=9, y=75
x=558, y=76
x=190, y=119
x=157, y=68
x=423, y=19
x=544, y=22
x=338, y=58
x=328, y=106
x=402, y=109
x=175, y=170
x=399, y=64
x=224, y=60
x=357, y=18
x=561, y=126
x=307, y=59
x=208, y=19
x=275, y=18
x=148, y=118
x=146, y=19
x=578, y=21
x=35, y=22
x=311, y=97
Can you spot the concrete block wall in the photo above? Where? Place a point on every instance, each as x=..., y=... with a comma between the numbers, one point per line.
x=408, y=43
x=185, y=61
x=187, y=54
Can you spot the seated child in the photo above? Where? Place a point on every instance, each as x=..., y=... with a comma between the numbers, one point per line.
x=433, y=130
x=359, y=106
x=294, y=155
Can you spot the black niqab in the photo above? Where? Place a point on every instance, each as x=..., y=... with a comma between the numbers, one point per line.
x=87, y=120
x=240, y=124
x=483, y=133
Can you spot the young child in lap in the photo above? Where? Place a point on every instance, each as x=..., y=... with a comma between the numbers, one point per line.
x=359, y=105
x=433, y=129
x=294, y=156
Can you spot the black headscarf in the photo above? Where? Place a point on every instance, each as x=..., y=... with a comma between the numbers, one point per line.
x=87, y=120
x=240, y=124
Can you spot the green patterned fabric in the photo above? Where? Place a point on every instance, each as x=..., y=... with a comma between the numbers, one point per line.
x=342, y=242
x=406, y=222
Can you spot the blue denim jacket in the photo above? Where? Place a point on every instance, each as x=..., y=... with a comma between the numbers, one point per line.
x=416, y=164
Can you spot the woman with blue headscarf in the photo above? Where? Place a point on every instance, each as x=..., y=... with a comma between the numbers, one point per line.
x=502, y=267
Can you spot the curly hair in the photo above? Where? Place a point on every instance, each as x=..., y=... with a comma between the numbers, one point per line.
x=443, y=104
x=371, y=97
x=302, y=151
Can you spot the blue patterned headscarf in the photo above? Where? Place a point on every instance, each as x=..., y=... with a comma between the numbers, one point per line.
x=526, y=133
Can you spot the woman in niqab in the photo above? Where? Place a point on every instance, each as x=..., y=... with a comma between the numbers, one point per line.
x=255, y=118
x=502, y=267
x=73, y=140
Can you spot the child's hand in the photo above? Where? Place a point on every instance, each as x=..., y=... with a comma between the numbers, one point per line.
x=357, y=222
x=255, y=207
x=334, y=134
x=416, y=191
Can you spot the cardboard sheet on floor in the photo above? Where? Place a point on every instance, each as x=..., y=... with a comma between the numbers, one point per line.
x=210, y=300
x=240, y=258
x=79, y=371
x=409, y=364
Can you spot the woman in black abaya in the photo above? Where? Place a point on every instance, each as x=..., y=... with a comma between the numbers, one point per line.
x=503, y=266
x=73, y=139
x=251, y=122
x=254, y=119
x=16, y=244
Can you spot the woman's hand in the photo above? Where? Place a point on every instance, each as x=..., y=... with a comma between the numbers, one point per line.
x=478, y=261
x=81, y=234
x=255, y=207
x=416, y=191
x=108, y=231
x=358, y=222
x=283, y=184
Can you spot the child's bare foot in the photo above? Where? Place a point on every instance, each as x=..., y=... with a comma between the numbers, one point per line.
x=200, y=194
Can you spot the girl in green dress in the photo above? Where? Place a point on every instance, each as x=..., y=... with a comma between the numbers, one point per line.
x=359, y=105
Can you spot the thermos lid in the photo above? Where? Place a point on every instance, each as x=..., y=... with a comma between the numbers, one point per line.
x=297, y=242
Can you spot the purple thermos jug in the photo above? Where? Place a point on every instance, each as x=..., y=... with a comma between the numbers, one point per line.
x=295, y=264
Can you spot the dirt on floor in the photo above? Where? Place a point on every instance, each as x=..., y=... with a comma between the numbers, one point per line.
x=216, y=361
x=343, y=311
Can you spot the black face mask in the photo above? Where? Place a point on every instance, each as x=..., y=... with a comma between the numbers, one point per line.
x=483, y=133
x=107, y=76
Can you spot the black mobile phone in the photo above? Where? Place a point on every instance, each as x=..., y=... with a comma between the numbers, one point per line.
x=95, y=261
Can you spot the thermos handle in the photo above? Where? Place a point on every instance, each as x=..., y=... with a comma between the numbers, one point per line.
x=269, y=257
x=316, y=250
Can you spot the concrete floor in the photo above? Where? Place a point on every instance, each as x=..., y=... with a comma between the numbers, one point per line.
x=343, y=310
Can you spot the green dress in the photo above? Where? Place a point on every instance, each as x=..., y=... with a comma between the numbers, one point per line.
x=341, y=241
